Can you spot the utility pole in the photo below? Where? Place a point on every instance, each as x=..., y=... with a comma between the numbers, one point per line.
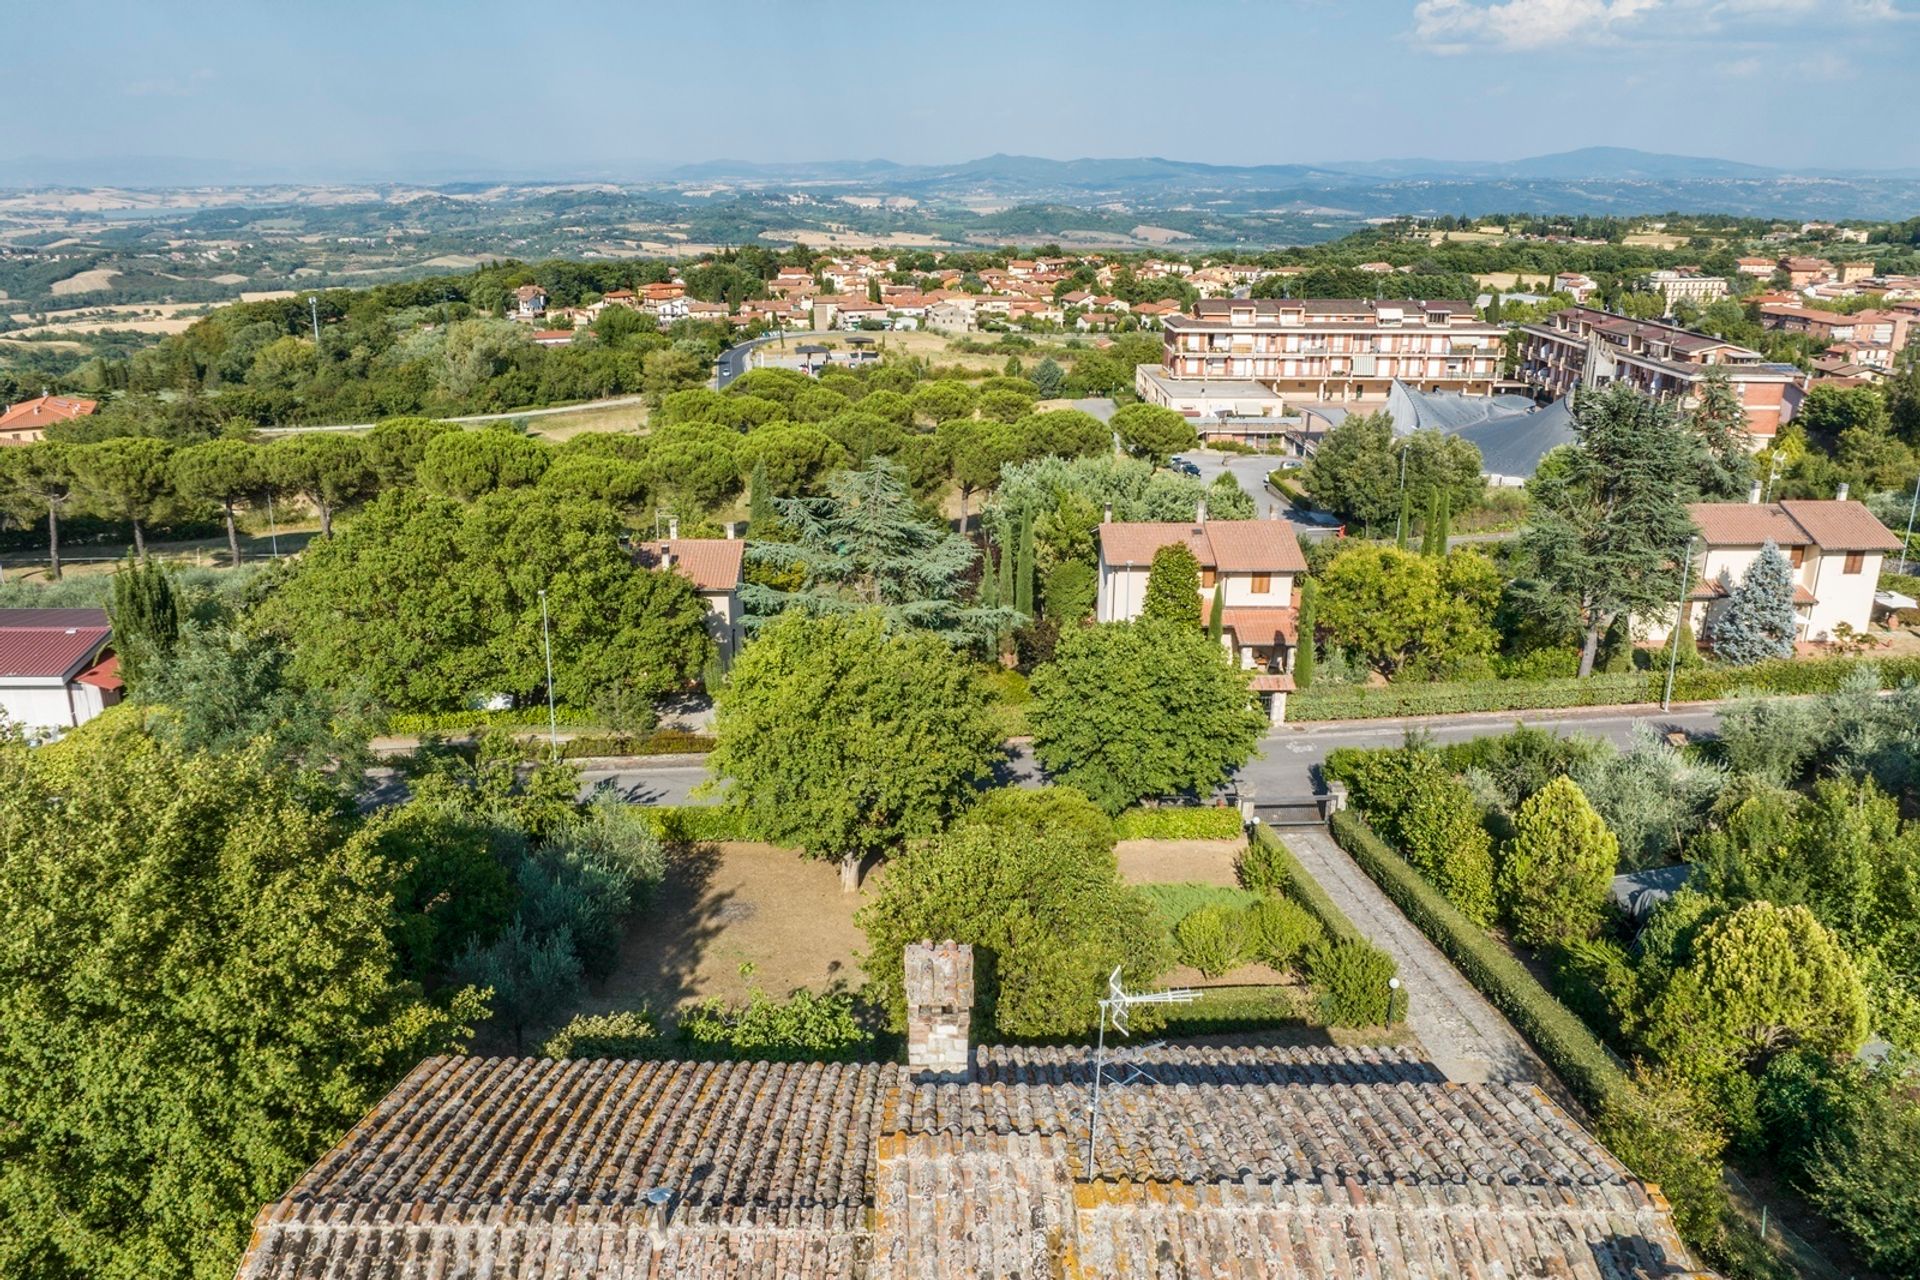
x=313, y=306
x=273, y=526
x=546, y=642
x=1680, y=620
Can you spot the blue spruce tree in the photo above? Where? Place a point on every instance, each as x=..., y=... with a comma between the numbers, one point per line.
x=1758, y=621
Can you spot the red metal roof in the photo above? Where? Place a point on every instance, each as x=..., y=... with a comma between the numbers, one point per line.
x=57, y=647
x=104, y=674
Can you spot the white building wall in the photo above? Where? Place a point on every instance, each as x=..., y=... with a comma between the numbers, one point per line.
x=1238, y=592
x=1841, y=596
x=43, y=704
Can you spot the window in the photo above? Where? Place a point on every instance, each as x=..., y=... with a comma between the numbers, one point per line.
x=1854, y=560
x=1206, y=579
x=1262, y=583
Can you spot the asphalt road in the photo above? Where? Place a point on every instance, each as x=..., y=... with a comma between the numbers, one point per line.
x=1283, y=769
x=733, y=361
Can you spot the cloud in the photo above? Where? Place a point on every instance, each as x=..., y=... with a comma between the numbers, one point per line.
x=1454, y=26
x=1457, y=26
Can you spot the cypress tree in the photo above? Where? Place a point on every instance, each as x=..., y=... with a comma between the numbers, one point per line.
x=1304, y=655
x=1404, y=528
x=1003, y=591
x=145, y=612
x=1023, y=571
x=1216, y=616
x=1431, y=527
x=760, y=514
x=1446, y=524
x=989, y=578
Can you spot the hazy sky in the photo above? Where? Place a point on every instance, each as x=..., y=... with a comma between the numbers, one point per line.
x=332, y=86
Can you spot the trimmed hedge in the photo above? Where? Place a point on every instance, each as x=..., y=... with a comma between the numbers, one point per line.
x=661, y=742
x=399, y=722
x=1786, y=676
x=1178, y=823
x=1270, y=865
x=696, y=823
x=1561, y=1038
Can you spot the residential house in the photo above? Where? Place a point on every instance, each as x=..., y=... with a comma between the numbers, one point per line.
x=57, y=668
x=654, y=295
x=1759, y=268
x=951, y=315
x=1802, y=272
x=622, y=298
x=713, y=566
x=27, y=421
x=553, y=337
x=1335, y=349
x=1584, y=347
x=851, y=312
x=1853, y=272
x=1261, y=1162
x=1835, y=547
x=697, y=310
x=529, y=302
x=1575, y=284
x=1252, y=562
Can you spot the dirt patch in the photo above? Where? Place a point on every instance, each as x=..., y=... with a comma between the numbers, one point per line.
x=1157, y=235
x=734, y=916
x=1179, y=861
x=84, y=282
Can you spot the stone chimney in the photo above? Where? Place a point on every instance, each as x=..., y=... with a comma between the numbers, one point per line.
x=1753, y=494
x=1200, y=513
x=939, y=1010
x=1106, y=515
x=673, y=528
x=1840, y=494
x=730, y=531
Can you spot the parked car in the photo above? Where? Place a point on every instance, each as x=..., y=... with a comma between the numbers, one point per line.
x=1183, y=466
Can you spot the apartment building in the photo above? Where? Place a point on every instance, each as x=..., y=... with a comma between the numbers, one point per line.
x=1686, y=286
x=1802, y=272
x=1252, y=562
x=1584, y=347
x=1335, y=349
x=1879, y=335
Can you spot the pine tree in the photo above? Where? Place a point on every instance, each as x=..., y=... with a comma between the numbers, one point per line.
x=1216, y=616
x=1758, y=620
x=146, y=617
x=1304, y=655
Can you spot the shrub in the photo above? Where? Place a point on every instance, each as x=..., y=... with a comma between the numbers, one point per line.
x=1350, y=982
x=1269, y=866
x=1173, y=822
x=1553, y=880
x=1212, y=939
x=1280, y=931
x=1422, y=809
x=1665, y=1133
x=628, y=1033
x=802, y=1028
x=1174, y=902
x=698, y=823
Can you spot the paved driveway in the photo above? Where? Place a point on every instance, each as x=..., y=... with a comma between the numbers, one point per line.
x=1464, y=1036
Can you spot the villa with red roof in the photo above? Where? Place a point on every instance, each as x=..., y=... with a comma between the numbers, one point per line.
x=1252, y=562
x=27, y=421
x=713, y=566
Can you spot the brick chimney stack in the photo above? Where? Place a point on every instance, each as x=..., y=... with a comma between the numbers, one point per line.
x=939, y=1010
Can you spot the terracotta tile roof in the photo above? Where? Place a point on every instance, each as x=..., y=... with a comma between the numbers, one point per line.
x=1260, y=625
x=50, y=643
x=1251, y=1161
x=1234, y=546
x=1273, y=682
x=1831, y=525
x=42, y=410
x=711, y=564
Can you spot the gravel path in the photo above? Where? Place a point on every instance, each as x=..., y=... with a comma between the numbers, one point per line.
x=1464, y=1036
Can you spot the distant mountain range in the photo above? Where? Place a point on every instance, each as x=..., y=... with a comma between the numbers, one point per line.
x=1599, y=180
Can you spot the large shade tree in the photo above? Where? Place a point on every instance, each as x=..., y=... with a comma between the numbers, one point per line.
x=226, y=472
x=1130, y=710
x=1610, y=524
x=127, y=478
x=197, y=996
x=847, y=738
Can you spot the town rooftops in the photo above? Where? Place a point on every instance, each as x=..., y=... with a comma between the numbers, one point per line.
x=1831, y=525
x=36, y=414
x=1231, y=546
x=1244, y=1161
x=711, y=564
x=51, y=644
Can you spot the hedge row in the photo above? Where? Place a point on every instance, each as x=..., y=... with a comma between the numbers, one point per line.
x=1699, y=684
x=1179, y=823
x=661, y=742
x=695, y=823
x=1560, y=1037
x=474, y=721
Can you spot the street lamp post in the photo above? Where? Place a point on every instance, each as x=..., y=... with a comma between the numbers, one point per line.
x=273, y=526
x=313, y=306
x=1680, y=620
x=546, y=642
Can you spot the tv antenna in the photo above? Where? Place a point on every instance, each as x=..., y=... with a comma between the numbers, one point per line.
x=1116, y=1009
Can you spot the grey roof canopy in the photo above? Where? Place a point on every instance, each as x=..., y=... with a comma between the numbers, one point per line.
x=1511, y=432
